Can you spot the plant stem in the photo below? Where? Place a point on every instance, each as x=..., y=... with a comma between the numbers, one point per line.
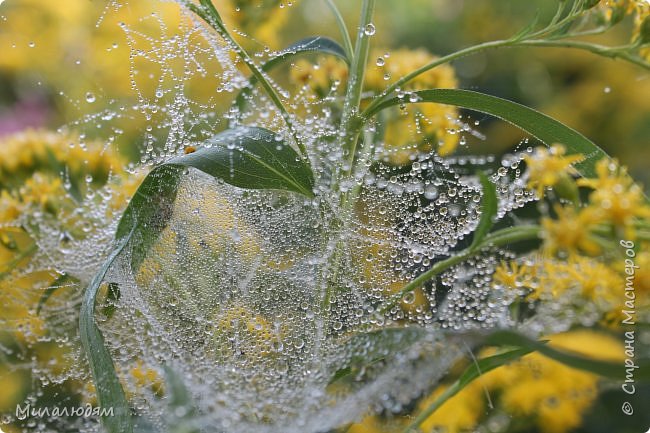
x=498, y=238
x=601, y=50
x=440, y=61
x=350, y=122
x=347, y=43
x=209, y=14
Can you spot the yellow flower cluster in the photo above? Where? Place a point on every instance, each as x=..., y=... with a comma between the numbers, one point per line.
x=321, y=78
x=615, y=201
x=548, y=279
x=549, y=167
x=553, y=395
x=421, y=128
x=57, y=154
x=548, y=396
x=34, y=168
x=260, y=20
x=615, y=196
x=615, y=10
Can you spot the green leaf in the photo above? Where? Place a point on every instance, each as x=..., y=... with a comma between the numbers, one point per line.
x=545, y=128
x=109, y=390
x=613, y=370
x=316, y=44
x=246, y=157
x=471, y=373
x=489, y=207
x=251, y=158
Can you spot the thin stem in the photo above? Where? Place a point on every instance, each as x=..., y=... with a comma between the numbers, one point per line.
x=602, y=50
x=616, y=52
x=440, y=61
x=350, y=124
x=347, y=42
x=209, y=14
x=498, y=238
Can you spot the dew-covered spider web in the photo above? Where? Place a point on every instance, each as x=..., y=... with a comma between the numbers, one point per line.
x=277, y=312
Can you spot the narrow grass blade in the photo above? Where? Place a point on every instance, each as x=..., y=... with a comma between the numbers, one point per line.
x=545, y=128
x=489, y=207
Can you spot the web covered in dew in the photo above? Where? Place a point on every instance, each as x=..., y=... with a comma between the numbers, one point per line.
x=232, y=295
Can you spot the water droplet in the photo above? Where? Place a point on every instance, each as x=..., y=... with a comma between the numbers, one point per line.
x=380, y=61
x=90, y=97
x=369, y=29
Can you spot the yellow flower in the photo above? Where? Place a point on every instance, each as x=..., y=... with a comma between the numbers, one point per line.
x=397, y=63
x=422, y=127
x=261, y=20
x=13, y=385
x=513, y=275
x=554, y=395
x=571, y=230
x=596, y=281
x=615, y=195
x=238, y=328
x=547, y=167
x=148, y=378
x=319, y=78
x=26, y=152
x=460, y=413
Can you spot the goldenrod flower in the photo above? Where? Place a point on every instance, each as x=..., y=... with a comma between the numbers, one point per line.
x=460, y=413
x=514, y=275
x=421, y=127
x=261, y=20
x=615, y=195
x=320, y=78
x=570, y=231
x=554, y=395
x=548, y=167
x=148, y=378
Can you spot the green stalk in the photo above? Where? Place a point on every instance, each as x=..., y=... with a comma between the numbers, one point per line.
x=209, y=14
x=347, y=42
x=350, y=122
x=498, y=238
x=440, y=61
x=351, y=127
x=601, y=50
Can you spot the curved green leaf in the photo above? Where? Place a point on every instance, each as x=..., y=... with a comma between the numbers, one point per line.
x=471, y=373
x=543, y=127
x=614, y=370
x=489, y=207
x=252, y=158
x=246, y=157
x=311, y=45
x=109, y=390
